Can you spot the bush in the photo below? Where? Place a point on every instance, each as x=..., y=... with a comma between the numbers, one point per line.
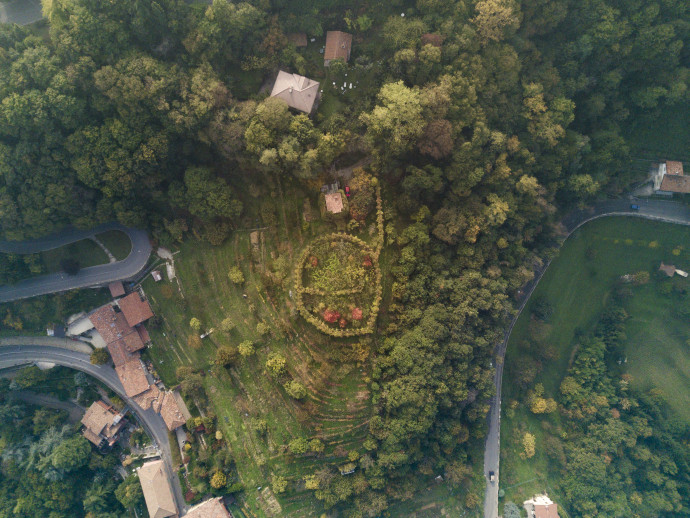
x=218, y=480
x=260, y=426
x=279, y=484
x=227, y=325
x=100, y=357
x=246, y=348
x=235, y=275
x=194, y=341
x=295, y=389
x=226, y=356
x=195, y=324
x=276, y=364
x=316, y=446
x=262, y=328
x=298, y=446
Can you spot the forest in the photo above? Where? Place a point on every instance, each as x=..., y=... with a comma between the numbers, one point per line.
x=48, y=468
x=485, y=120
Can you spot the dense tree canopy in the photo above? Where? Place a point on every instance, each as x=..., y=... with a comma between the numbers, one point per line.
x=483, y=118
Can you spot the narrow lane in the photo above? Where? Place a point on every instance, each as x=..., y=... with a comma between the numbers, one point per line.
x=13, y=356
x=100, y=275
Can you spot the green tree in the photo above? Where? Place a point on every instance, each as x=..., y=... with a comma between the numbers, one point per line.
x=226, y=356
x=195, y=324
x=71, y=454
x=298, y=446
x=295, y=389
x=100, y=356
x=129, y=492
x=236, y=275
x=218, y=480
x=246, y=348
x=276, y=364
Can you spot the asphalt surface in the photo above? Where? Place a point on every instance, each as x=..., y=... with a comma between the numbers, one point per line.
x=152, y=422
x=21, y=12
x=659, y=210
x=92, y=276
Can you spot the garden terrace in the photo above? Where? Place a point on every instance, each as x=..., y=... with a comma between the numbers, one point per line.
x=338, y=285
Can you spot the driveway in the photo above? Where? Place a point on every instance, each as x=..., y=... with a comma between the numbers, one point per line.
x=75, y=411
x=659, y=210
x=13, y=356
x=93, y=276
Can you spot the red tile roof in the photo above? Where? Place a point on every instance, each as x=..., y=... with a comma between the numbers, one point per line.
x=133, y=377
x=338, y=46
x=116, y=289
x=110, y=324
x=675, y=182
x=169, y=411
x=119, y=353
x=135, y=309
x=673, y=167
x=143, y=333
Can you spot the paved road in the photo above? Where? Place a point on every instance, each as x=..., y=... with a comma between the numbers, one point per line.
x=100, y=275
x=21, y=12
x=152, y=422
x=660, y=210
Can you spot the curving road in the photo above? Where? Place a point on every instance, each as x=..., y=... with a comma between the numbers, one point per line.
x=93, y=276
x=13, y=356
x=659, y=210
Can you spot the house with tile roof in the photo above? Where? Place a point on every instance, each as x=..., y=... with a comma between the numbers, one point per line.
x=669, y=178
x=541, y=506
x=135, y=308
x=299, y=92
x=157, y=491
x=213, y=508
x=102, y=424
x=133, y=377
x=338, y=46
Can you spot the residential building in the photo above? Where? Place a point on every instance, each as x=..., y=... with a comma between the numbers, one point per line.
x=166, y=406
x=135, y=308
x=157, y=491
x=541, y=506
x=133, y=377
x=338, y=46
x=102, y=424
x=213, y=508
x=669, y=179
x=299, y=92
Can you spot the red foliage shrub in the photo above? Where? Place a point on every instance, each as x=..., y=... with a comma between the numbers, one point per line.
x=331, y=316
x=367, y=263
x=314, y=261
x=189, y=496
x=342, y=323
x=357, y=314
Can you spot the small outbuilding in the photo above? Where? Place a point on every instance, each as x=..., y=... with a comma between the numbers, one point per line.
x=299, y=92
x=334, y=203
x=668, y=269
x=338, y=46
x=116, y=289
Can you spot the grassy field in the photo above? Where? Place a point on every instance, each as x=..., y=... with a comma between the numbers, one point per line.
x=577, y=285
x=85, y=251
x=117, y=242
x=335, y=372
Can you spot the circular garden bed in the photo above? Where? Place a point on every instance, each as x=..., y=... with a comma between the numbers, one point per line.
x=338, y=285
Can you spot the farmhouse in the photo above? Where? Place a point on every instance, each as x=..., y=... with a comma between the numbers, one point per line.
x=541, y=506
x=299, y=92
x=102, y=424
x=135, y=308
x=156, y=488
x=212, y=508
x=338, y=46
x=669, y=179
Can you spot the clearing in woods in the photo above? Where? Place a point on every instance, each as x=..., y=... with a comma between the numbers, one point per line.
x=335, y=371
x=576, y=286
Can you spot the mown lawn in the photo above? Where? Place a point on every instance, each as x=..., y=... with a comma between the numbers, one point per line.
x=337, y=408
x=577, y=286
x=117, y=242
x=85, y=251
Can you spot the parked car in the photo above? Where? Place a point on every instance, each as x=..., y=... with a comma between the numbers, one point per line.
x=492, y=476
x=635, y=207
x=347, y=191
